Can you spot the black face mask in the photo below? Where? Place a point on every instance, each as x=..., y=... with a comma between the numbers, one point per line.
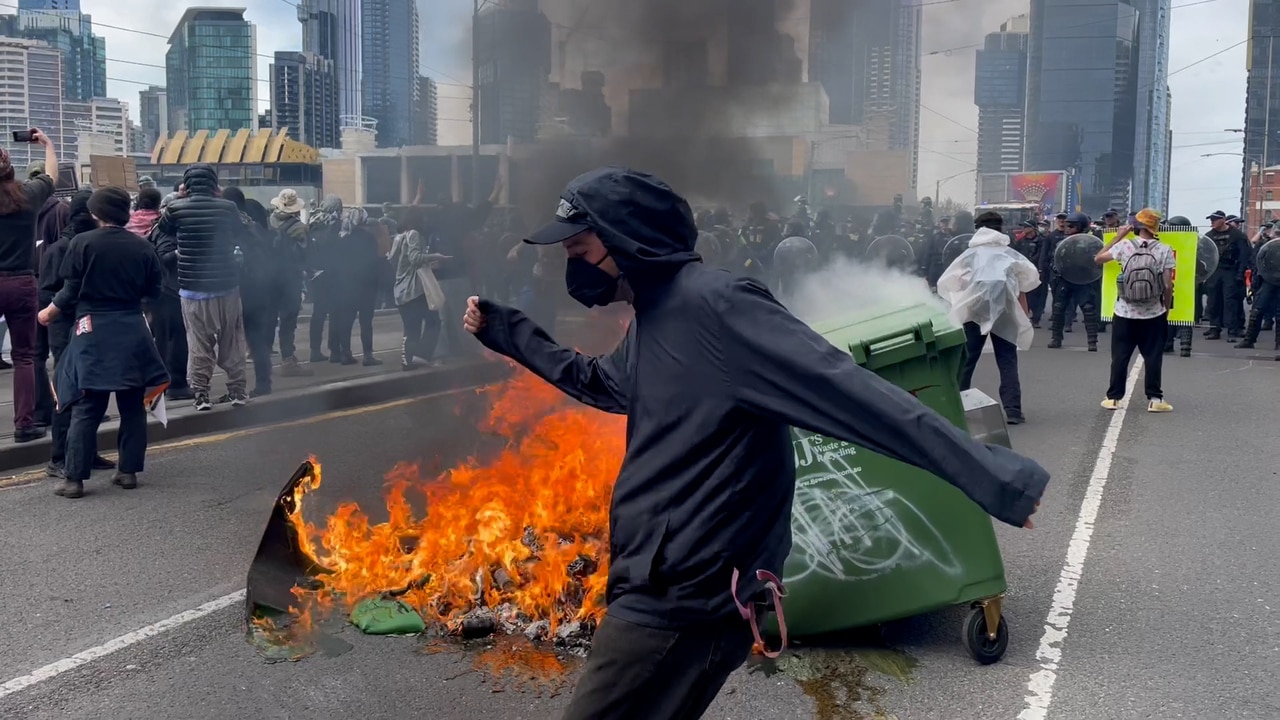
x=588, y=284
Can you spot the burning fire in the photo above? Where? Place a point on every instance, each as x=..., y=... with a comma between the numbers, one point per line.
x=525, y=534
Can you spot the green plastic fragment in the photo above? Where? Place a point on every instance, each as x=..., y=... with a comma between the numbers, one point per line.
x=386, y=616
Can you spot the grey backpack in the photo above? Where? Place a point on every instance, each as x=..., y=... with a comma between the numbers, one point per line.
x=1142, y=277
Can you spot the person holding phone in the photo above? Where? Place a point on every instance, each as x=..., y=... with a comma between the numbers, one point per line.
x=20, y=204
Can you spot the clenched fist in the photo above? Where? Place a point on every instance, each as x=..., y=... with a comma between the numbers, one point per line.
x=473, y=321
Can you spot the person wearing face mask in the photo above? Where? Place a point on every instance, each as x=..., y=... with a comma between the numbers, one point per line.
x=712, y=373
x=107, y=273
x=1225, y=287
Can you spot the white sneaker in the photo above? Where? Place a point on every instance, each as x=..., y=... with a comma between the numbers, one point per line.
x=1156, y=405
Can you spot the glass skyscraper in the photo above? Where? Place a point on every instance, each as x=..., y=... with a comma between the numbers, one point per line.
x=212, y=72
x=1000, y=92
x=331, y=29
x=389, y=68
x=60, y=25
x=1082, y=94
x=1150, y=178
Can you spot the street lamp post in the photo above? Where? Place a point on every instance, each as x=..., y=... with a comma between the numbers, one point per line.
x=937, y=187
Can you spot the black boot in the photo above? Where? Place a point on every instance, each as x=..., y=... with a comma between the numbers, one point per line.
x=1055, y=343
x=1213, y=334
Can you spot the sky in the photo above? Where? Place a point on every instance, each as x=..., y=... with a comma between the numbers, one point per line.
x=1208, y=97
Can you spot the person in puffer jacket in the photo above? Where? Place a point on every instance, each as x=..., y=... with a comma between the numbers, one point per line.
x=206, y=229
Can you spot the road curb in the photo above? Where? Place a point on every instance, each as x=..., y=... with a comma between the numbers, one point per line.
x=294, y=405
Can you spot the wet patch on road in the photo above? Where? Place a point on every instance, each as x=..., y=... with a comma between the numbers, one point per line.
x=845, y=684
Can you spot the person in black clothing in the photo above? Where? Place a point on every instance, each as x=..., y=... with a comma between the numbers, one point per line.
x=52, y=220
x=712, y=375
x=1034, y=246
x=58, y=332
x=288, y=236
x=1067, y=296
x=324, y=229
x=357, y=266
x=167, y=326
x=1225, y=287
x=107, y=274
x=257, y=284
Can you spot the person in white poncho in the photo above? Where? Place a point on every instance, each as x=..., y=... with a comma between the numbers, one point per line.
x=986, y=289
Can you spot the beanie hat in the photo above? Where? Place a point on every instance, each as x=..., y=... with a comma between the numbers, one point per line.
x=111, y=205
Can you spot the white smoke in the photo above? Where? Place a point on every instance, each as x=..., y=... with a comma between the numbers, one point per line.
x=848, y=289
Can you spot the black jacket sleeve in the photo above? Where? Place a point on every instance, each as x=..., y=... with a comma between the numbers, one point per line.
x=600, y=382
x=781, y=368
x=153, y=282
x=72, y=273
x=1244, y=251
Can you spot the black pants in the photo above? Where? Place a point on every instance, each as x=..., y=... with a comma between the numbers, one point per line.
x=59, y=338
x=357, y=305
x=1147, y=337
x=421, y=329
x=44, y=391
x=1036, y=300
x=82, y=438
x=639, y=673
x=171, y=338
x=1266, y=304
x=260, y=335
x=1006, y=361
x=1066, y=297
x=321, y=310
x=287, y=304
x=1225, y=308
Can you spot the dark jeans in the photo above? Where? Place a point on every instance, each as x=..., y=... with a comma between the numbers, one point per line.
x=288, y=304
x=421, y=329
x=171, y=338
x=1145, y=336
x=86, y=416
x=359, y=306
x=1006, y=361
x=59, y=338
x=635, y=672
x=1225, y=308
x=260, y=335
x=18, y=306
x=321, y=310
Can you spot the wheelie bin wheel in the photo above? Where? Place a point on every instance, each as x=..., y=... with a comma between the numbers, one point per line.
x=980, y=645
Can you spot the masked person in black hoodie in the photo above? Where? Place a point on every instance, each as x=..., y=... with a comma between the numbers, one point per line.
x=58, y=331
x=107, y=273
x=712, y=374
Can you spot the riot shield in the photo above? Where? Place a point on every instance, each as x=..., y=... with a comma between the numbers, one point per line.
x=1206, y=258
x=891, y=250
x=795, y=255
x=708, y=246
x=1074, y=259
x=1268, y=261
x=955, y=247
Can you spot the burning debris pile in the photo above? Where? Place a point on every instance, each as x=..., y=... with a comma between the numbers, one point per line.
x=515, y=544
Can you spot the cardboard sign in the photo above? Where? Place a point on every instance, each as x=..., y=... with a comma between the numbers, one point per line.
x=111, y=171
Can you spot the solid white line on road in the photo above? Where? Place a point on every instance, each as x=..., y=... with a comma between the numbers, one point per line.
x=55, y=669
x=1049, y=655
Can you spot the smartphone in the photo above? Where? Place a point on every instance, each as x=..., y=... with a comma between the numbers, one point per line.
x=24, y=136
x=1133, y=221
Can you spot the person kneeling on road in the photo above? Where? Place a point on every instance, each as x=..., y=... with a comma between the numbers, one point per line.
x=107, y=273
x=711, y=374
x=1144, y=294
x=987, y=288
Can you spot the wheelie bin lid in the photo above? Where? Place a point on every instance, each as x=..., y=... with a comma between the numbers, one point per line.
x=885, y=338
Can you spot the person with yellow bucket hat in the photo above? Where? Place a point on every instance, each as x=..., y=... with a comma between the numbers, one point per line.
x=1143, y=298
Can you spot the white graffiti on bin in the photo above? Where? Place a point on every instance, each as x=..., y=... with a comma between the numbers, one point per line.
x=843, y=528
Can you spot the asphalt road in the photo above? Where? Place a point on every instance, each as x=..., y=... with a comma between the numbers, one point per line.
x=1172, y=616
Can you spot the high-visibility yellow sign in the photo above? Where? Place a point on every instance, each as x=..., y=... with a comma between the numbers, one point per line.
x=1183, y=243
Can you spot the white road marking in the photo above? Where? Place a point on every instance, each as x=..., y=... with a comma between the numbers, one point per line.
x=1049, y=655
x=55, y=669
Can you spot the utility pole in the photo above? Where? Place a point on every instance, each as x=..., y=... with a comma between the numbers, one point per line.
x=475, y=103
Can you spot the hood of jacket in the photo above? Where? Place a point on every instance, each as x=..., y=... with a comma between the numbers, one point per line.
x=647, y=227
x=200, y=179
x=986, y=237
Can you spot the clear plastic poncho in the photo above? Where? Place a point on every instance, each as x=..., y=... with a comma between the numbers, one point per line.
x=984, y=284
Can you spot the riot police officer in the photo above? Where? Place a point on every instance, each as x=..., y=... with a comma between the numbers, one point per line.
x=1032, y=245
x=1225, y=287
x=1067, y=295
x=1264, y=294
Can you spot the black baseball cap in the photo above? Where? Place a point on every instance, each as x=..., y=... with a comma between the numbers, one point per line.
x=570, y=220
x=1060, y=216
x=1217, y=215
x=1110, y=213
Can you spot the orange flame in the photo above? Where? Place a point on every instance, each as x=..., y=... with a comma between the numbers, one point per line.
x=528, y=528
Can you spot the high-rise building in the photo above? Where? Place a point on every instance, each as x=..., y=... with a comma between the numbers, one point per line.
x=426, y=129
x=513, y=51
x=64, y=5
x=211, y=72
x=1082, y=96
x=1262, y=96
x=1000, y=92
x=31, y=97
x=331, y=29
x=1152, y=122
x=389, y=67
x=153, y=115
x=105, y=117
x=304, y=98
x=84, y=55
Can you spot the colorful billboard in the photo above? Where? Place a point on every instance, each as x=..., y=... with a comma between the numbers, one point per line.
x=1053, y=191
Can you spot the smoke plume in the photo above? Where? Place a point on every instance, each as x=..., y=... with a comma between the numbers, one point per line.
x=844, y=288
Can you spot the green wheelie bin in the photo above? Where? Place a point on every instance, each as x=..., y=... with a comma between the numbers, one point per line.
x=876, y=540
